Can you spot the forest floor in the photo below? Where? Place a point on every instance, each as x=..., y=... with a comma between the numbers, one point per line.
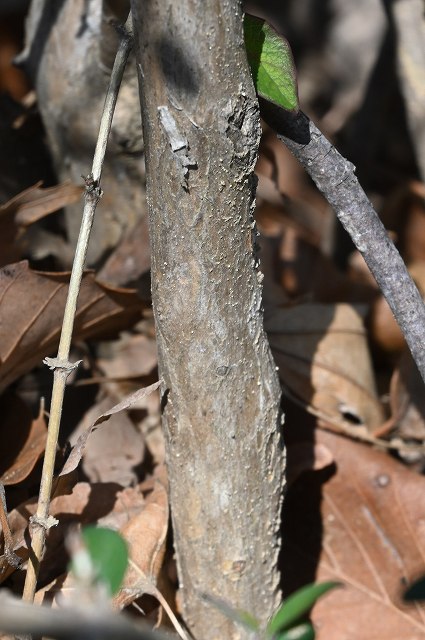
x=353, y=400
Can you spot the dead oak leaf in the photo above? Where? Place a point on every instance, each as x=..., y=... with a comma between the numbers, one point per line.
x=77, y=451
x=145, y=534
x=145, y=530
x=364, y=527
x=31, y=311
x=23, y=440
x=323, y=359
x=26, y=208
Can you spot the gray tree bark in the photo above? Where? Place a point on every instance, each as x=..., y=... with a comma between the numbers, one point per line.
x=220, y=394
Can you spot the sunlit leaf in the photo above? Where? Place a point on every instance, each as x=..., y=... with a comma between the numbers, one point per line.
x=271, y=62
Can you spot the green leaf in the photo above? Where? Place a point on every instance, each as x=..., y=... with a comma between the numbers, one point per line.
x=237, y=615
x=416, y=591
x=109, y=555
x=300, y=632
x=297, y=606
x=272, y=64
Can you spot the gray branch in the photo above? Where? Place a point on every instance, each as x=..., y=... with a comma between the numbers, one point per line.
x=335, y=178
x=70, y=623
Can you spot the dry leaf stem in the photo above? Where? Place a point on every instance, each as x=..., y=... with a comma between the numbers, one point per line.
x=41, y=522
x=334, y=177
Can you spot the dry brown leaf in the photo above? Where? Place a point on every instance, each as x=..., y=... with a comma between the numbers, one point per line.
x=323, y=359
x=145, y=529
x=134, y=356
x=115, y=451
x=146, y=535
x=36, y=203
x=8, y=541
x=23, y=440
x=364, y=527
x=78, y=449
x=407, y=400
x=31, y=311
x=383, y=328
x=107, y=504
x=131, y=258
x=25, y=209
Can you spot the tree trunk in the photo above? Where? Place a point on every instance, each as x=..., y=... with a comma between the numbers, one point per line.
x=221, y=394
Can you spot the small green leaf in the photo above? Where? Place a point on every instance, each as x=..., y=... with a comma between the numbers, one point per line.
x=109, y=555
x=416, y=591
x=237, y=615
x=297, y=606
x=300, y=632
x=271, y=62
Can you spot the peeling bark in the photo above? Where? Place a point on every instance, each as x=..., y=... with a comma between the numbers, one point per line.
x=221, y=394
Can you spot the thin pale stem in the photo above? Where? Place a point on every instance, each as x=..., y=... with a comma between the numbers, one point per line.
x=70, y=622
x=41, y=522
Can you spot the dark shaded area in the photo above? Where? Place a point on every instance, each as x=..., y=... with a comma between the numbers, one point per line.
x=377, y=135
x=254, y=39
x=50, y=14
x=302, y=526
x=285, y=123
x=178, y=66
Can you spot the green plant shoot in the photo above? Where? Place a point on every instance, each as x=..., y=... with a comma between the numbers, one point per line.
x=296, y=606
x=106, y=555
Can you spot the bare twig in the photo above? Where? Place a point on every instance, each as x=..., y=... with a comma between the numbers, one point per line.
x=67, y=623
x=41, y=522
x=334, y=177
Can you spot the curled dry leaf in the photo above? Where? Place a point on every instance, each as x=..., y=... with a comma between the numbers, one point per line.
x=146, y=536
x=115, y=452
x=31, y=311
x=25, y=209
x=64, y=481
x=86, y=504
x=23, y=440
x=323, y=359
x=364, y=527
x=77, y=451
x=8, y=542
x=36, y=203
x=143, y=522
x=107, y=504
